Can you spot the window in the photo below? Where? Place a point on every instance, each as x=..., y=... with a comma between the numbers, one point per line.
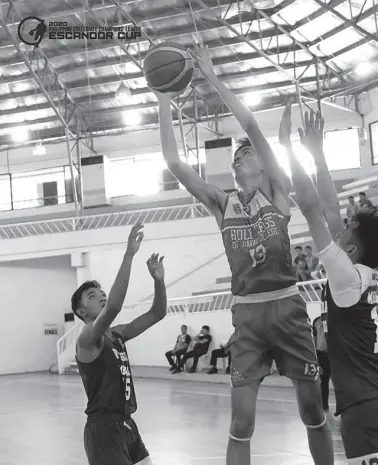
x=143, y=174
x=342, y=149
x=373, y=129
x=38, y=188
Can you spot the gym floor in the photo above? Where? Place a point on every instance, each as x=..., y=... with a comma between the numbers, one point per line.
x=182, y=423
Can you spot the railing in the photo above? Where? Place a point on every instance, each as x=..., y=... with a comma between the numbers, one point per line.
x=105, y=220
x=66, y=346
x=222, y=301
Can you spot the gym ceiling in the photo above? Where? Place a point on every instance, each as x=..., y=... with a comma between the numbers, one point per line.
x=309, y=47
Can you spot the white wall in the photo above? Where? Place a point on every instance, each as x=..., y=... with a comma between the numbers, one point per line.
x=33, y=293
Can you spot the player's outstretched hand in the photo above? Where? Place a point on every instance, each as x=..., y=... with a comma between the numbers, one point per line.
x=285, y=126
x=156, y=267
x=201, y=56
x=135, y=239
x=312, y=136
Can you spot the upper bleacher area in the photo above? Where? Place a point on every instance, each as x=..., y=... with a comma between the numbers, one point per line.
x=183, y=208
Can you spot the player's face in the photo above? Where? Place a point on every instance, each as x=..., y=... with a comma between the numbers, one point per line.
x=183, y=329
x=93, y=301
x=350, y=243
x=247, y=166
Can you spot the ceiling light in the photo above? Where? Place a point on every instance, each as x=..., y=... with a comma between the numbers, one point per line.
x=364, y=68
x=132, y=117
x=123, y=93
x=20, y=134
x=39, y=149
x=264, y=4
x=252, y=99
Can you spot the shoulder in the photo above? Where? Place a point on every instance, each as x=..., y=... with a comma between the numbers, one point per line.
x=368, y=276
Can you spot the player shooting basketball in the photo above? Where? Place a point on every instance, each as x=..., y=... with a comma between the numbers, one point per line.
x=269, y=315
x=350, y=298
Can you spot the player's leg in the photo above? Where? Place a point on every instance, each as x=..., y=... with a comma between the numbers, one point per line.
x=138, y=451
x=251, y=362
x=295, y=356
x=359, y=430
x=243, y=406
x=313, y=417
x=325, y=373
x=105, y=443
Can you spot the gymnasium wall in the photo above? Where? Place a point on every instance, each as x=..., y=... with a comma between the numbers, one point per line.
x=33, y=293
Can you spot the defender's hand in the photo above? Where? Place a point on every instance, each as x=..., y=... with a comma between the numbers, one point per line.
x=312, y=136
x=135, y=239
x=201, y=56
x=156, y=267
x=285, y=126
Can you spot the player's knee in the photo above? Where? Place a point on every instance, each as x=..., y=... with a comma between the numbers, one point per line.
x=311, y=412
x=242, y=427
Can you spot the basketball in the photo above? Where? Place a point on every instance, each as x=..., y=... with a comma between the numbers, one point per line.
x=168, y=68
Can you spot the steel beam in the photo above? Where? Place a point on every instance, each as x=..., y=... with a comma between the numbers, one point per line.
x=350, y=22
x=68, y=107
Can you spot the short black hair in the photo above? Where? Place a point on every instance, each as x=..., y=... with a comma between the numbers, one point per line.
x=298, y=247
x=206, y=327
x=77, y=295
x=241, y=143
x=184, y=326
x=351, y=197
x=362, y=193
x=308, y=247
x=367, y=232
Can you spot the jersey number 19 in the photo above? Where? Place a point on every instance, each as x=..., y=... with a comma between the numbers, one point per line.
x=258, y=255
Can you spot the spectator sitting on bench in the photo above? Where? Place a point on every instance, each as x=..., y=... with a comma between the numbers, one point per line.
x=223, y=352
x=180, y=348
x=201, y=347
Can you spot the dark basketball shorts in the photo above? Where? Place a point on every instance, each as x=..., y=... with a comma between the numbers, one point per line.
x=359, y=430
x=279, y=330
x=113, y=442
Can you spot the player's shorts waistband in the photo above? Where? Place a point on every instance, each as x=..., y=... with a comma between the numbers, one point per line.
x=105, y=417
x=266, y=296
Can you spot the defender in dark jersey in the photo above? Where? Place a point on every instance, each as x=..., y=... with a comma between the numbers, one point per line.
x=350, y=310
x=111, y=436
x=269, y=315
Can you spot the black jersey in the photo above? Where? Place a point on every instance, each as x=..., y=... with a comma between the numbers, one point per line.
x=352, y=336
x=108, y=381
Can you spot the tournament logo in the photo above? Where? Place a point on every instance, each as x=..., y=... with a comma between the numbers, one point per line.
x=31, y=30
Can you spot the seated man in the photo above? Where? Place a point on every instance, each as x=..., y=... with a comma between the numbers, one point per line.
x=223, y=352
x=180, y=348
x=201, y=346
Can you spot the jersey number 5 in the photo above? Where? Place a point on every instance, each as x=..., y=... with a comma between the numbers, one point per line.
x=258, y=255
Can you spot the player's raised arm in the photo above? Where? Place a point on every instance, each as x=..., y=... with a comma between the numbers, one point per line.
x=247, y=121
x=92, y=333
x=307, y=194
x=213, y=197
x=312, y=139
x=159, y=306
x=344, y=279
